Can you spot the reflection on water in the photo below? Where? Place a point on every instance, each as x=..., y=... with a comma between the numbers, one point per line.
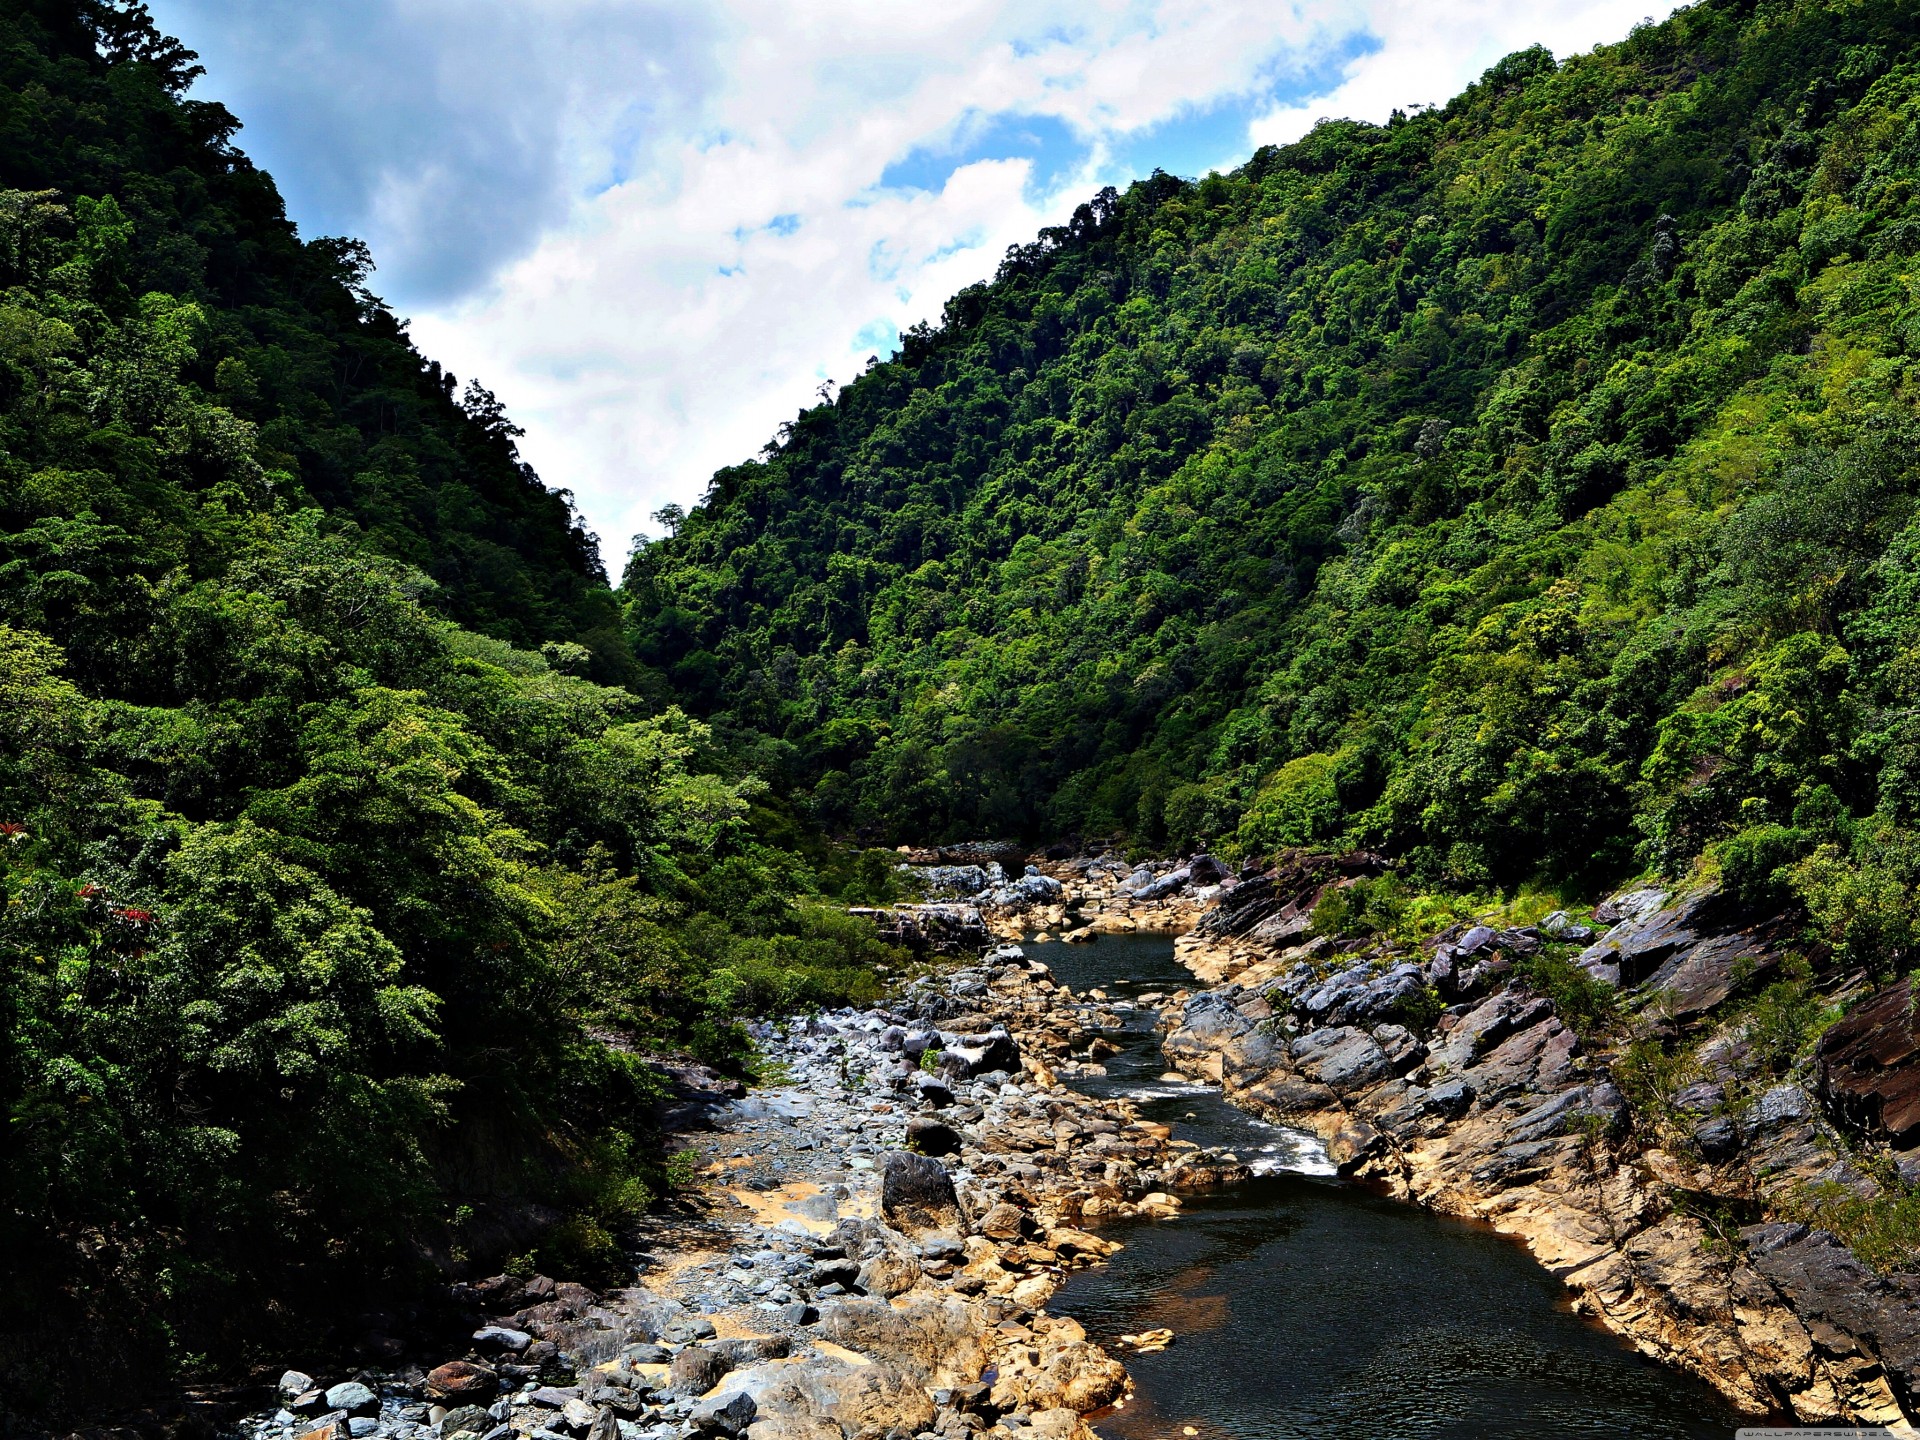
x=1304, y=1306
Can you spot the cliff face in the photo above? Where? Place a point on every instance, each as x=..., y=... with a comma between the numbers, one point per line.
x=1646, y=1129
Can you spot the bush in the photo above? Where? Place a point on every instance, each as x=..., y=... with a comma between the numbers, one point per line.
x=1588, y=1007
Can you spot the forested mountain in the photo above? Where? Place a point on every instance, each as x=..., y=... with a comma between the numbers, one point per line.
x=336, y=917
x=280, y=336
x=1522, y=487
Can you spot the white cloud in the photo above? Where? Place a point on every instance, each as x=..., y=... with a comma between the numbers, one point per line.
x=1430, y=52
x=650, y=331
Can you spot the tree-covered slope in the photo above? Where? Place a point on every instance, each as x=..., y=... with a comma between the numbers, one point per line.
x=1522, y=487
x=332, y=931
x=278, y=335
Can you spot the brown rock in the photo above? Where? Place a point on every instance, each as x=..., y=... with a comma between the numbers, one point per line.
x=1004, y=1222
x=462, y=1380
x=1870, y=1064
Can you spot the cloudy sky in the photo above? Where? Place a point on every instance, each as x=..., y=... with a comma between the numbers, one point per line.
x=655, y=228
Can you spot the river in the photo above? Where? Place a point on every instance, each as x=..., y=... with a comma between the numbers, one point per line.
x=1307, y=1306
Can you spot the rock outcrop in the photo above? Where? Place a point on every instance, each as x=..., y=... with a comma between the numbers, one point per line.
x=1448, y=1079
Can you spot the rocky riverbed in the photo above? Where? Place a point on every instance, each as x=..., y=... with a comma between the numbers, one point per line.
x=1630, y=1093
x=882, y=1233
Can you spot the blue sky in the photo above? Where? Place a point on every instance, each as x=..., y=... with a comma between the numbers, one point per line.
x=656, y=228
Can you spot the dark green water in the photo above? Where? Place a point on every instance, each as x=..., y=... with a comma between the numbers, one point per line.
x=1305, y=1306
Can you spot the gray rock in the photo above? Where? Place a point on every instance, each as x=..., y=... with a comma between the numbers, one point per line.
x=1342, y=1058
x=294, y=1384
x=1169, y=884
x=1476, y=939
x=727, y=1414
x=797, y=1312
x=934, y=1091
x=1716, y=1138
x=360, y=1426
x=685, y=1332
x=1027, y=891
x=354, y=1398
x=498, y=1339
x=977, y=1055
x=1782, y=1105
x=1699, y=1098
x=1452, y=1097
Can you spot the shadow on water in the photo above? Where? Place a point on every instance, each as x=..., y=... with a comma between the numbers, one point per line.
x=1304, y=1306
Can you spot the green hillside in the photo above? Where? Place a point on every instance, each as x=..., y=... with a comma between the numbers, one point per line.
x=279, y=336
x=337, y=917
x=1520, y=487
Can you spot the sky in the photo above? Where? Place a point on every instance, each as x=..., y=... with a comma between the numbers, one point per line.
x=657, y=229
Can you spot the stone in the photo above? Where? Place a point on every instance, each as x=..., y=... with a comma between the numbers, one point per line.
x=888, y=1274
x=1716, y=1138
x=361, y=1426
x=797, y=1313
x=979, y=1054
x=1476, y=939
x=1169, y=884
x=916, y=1191
x=293, y=1384
x=1004, y=1222
x=932, y=1137
x=354, y=1398
x=499, y=1339
x=462, y=1380
x=696, y=1370
x=724, y=1414
x=933, y=1090
x=752, y=1349
x=685, y=1332
x=473, y=1419
x=838, y=1270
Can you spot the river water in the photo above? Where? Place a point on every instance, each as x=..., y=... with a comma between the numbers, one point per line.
x=1307, y=1306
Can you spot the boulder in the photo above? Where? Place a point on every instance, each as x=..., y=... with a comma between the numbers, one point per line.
x=1004, y=1222
x=1172, y=883
x=933, y=1090
x=928, y=1136
x=459, y=1381
x=888, y=1274
x=724, y=1414
x=696, y=1370
x=979, y=1054
x=916, y=1191
x=499, y=1339
x=294, y=1384
x=933, y=1340
x=467, y=1419
x=354, y=1398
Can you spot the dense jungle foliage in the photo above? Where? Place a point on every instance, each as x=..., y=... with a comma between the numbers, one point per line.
x=336, y=915
x=1523, y=488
